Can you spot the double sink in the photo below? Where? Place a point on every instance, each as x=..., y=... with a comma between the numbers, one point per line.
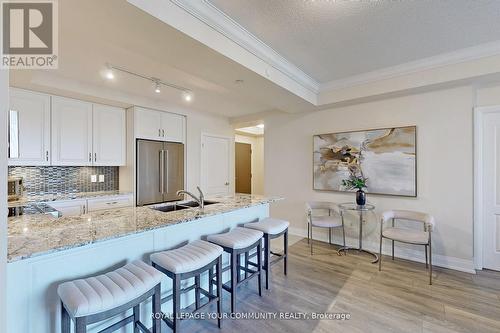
x=181, y=206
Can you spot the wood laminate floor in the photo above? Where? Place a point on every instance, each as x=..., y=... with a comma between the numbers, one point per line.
x=398, y=299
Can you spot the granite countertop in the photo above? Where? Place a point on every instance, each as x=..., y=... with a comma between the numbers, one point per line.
x=34, y=235
x=70, y=196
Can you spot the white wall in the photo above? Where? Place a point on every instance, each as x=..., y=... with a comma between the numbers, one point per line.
x=257, y=143
x=444, y=161
x=4, y=97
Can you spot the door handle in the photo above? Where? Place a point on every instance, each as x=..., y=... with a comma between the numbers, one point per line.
x=162, y=171
x=168, y=185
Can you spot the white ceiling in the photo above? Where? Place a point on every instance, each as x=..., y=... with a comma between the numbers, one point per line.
x=93, y=32
x=332, y=40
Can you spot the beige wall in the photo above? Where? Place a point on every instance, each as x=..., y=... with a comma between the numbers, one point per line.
x=444, y=121
x=257, y=160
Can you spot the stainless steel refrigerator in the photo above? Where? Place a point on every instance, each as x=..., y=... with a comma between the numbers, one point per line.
x=160, y=171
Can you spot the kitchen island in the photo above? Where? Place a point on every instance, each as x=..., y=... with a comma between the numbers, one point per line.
x=44, y=251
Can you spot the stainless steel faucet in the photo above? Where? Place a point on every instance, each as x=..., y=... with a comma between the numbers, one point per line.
x=200, y=200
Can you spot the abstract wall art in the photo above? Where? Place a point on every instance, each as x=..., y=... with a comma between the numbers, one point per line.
x=387, y=157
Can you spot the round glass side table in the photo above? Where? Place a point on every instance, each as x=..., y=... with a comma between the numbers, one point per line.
x=361, y=210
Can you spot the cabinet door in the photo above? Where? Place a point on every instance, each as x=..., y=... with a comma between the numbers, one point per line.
x=71, y=132
x=109, y=135
x=172, y=126
x=148, y=124
x=29, y=128
x=69, y=207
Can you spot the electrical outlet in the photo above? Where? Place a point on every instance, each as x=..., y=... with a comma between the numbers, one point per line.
x=93, y=178
x=101, y=178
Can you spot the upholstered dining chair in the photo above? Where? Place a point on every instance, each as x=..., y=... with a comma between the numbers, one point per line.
x=333, y=219
x=406, y=235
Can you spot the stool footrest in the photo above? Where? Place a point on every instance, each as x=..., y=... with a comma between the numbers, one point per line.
x=185, y=290
x=119, y=324
x=143, y=328
x=211, y=299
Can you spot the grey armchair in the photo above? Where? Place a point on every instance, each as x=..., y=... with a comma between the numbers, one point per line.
x=333, y=219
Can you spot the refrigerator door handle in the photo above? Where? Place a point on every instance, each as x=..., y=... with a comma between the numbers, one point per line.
x=162, y=172
x=167, y=164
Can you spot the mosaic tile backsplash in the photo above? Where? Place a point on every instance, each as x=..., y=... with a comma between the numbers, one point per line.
x=65, y=180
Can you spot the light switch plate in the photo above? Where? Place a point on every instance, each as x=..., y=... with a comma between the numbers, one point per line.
x=93, y=178
x=101, y=178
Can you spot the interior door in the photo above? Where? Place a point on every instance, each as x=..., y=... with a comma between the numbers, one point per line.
x=173, y=171
x=71, y=132
x=215, y=170
x=491, y=191
x=243, y=167
x=149, y=172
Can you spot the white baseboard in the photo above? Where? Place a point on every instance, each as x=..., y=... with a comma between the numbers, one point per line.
x=458, y=264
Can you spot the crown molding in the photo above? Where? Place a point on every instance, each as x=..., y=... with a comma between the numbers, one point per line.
x=207, y=13
x=441, y=60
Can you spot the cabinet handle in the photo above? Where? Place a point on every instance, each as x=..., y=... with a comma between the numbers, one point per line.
x=95, y=157
x=112, y=203
x=47, y=155
x=163, y=133
x=159, y=132
x=90, y=157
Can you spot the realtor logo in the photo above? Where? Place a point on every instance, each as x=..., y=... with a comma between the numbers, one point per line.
x=29, y=34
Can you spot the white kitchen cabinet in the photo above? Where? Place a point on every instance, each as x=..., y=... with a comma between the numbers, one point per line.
x=74, y=207
x=172, y=127
x=148, y=124
x=108, y=136
x=71, y=132
x=29, y=128
x=111, y=202
x=158, y=125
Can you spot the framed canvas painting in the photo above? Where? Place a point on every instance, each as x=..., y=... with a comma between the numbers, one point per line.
x=387, y=157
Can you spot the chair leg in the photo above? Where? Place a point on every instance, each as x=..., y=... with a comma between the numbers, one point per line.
x=176, y=303
x=392, y=250
x=65, y=320
x=426, y=260
x=137, y=318
x=308, y=236
x=156, y=307
x=197, y=291
x=285, y=252
x=330, y=236
x=233, y=281
x=343, y=232
x=80, y=325
x=430, y=262
x=219, y=291
x=311, y=233
x=267, y=258
x=259, y=265
x=380, y=255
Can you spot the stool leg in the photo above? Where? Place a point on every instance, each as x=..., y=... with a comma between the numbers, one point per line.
x=285, y=252
x=137, y=318
x=246, y=265
x=259, y=265
x=210, y=280
x=65, y=320
x=233, y=281
x=156, y=307
x=267, y=257
x=219, y=292
x=80, y=325
x=197, y=291
x=238, y=265
x=176, y=302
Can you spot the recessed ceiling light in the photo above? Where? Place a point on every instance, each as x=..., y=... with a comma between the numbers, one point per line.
x=109, y=73
x=188, y=96
x=157, y=88
x=260, y=125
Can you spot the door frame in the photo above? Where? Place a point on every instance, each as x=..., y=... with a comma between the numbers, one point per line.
x=479, y=113
x=230, y=157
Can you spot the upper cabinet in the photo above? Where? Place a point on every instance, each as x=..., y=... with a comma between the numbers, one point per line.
x=29, y=128
x=109, y=135
x=158, y=125
x=71, y=132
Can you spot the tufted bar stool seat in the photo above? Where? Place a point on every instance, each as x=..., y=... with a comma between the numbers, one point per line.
x=236, y=242
x=94, y=299
x=186, y=262
x=272, y=228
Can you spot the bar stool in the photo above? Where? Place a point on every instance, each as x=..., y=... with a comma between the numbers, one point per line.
x=94, y=299
x=184, y=263
x=272, y=228
x=236, y=242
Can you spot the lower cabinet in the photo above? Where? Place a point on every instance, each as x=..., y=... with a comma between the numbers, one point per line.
x=120, y=201
x=77, y=207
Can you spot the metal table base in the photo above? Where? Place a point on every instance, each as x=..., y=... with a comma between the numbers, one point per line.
x=345, y=249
